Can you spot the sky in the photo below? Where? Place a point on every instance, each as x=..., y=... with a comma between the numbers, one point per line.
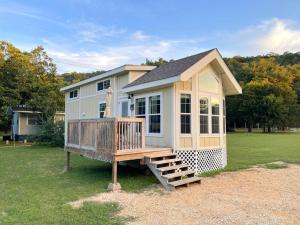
x=87, y=35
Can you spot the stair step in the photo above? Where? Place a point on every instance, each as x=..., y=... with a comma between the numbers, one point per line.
x=178, y=174
x=159, y=162
x=185, y=181
x=168, y=168
x=153, y=158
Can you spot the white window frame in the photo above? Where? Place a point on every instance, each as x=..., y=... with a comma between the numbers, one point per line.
x=202, y=114
x=146, y=96
x=210, y=96
x=224, y=113
x=104, y=89
x=212, y=115
x=101, y=102
x=74, y=98
x=185, y=134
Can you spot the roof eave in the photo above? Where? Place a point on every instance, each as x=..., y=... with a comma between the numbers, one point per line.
x=148, y=85
x=109, y=73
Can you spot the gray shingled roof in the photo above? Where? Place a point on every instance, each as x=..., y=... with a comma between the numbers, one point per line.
x=169, y=70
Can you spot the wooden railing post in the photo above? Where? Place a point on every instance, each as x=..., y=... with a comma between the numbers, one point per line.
x=79, y=134
x=115, y=186
x=143, y=134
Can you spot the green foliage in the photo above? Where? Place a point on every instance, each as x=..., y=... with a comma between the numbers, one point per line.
x=158, y=62
x=52, y=134
x=28, y=78
x=74, y=77
x=269, y=91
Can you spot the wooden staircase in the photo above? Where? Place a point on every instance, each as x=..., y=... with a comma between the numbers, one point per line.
x=170, y=171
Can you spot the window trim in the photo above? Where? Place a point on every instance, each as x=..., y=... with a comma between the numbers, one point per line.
x=27, y=122
x=104, y=89
x=74, y=98
x=179, y=110
x=202, y=114
x=214, y=115
x=224, y=115
x=101, y=102
x=210, y=96
x=146, y=96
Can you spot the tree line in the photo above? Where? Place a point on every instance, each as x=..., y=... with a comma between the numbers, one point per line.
x=271, y=86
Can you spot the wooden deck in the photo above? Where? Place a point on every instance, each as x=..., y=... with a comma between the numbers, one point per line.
x=109, y=139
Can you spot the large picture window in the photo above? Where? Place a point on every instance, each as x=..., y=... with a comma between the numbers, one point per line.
x=154, y=114
x=204, y=115
x=215, y=113
x=102, y=107
x=185, y=113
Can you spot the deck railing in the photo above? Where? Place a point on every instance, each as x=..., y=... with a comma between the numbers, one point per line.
x=106, y=136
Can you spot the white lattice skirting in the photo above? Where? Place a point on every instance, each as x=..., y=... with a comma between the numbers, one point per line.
x=202, y=161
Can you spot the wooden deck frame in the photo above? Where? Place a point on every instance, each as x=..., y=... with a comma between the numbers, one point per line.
x=109, y=139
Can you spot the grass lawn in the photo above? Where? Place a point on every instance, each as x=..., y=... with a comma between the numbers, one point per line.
x=245, y=150
x=33, y=189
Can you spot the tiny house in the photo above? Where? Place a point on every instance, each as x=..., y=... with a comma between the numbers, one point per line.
x=165, y=116
x=27, y=121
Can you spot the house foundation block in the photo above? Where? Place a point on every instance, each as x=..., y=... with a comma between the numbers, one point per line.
x=114, y=187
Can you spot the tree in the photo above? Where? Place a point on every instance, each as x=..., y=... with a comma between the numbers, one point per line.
x=28, y=78
x=268, y=92
x=158, y=62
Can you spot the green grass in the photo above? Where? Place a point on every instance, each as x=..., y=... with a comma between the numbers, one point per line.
x=246, y=150
x=274, y=166
x=35, y=191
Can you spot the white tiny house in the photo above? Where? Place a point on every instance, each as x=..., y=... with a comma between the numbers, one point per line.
x=182, y=104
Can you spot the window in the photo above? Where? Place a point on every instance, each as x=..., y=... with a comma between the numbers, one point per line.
x=154, y=114
x=150, y=108
x=140, y=107
x=185, y=113
x=124, y=109
x=103, y=85
x=73, y=94
x=204, y=115
x=224, y=116
x=215, y=105
x=34, y=119
x=102, y=107
x=208, y=83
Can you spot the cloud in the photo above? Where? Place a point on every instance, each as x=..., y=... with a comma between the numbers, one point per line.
x=274, y=35
x=139, y=36
x=279, y=36
x=91, y=32
x=17, y=9
x=110, y=57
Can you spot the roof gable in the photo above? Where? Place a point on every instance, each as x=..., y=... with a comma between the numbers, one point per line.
x=169, y=70
x=183, y=69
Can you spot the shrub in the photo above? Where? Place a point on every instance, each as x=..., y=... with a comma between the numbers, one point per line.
x=52, y=133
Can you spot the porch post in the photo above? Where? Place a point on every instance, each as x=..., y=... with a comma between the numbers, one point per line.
x=115, y=186
x=114, y=172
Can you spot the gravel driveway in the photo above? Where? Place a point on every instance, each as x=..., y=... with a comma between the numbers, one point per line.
x=252, y=196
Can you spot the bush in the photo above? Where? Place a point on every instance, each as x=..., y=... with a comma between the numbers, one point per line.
x=52, y=133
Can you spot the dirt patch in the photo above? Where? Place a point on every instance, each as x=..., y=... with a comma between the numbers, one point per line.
x=253, y=196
